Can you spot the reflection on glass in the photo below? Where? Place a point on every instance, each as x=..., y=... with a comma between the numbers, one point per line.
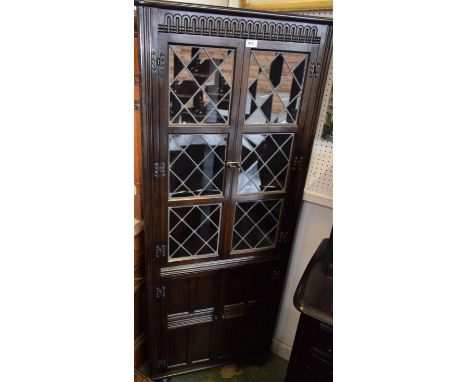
x=256, y=224
x=196, y=164
x=265, y=162
x=275, y=87
x=193, y=230
x=200, y=84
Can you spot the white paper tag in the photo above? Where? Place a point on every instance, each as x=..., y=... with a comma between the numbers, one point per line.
x=251, y=43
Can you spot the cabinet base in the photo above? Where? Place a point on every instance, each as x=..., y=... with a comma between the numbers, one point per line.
x=165, y=377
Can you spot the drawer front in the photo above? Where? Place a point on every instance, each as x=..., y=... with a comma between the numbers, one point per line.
x=306, y=366
x=318, y=370
x=139, y=309
x=323, y=342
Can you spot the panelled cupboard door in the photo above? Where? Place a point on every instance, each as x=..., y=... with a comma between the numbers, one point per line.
x=245, y=310
x=189, y=316
x=217, y=315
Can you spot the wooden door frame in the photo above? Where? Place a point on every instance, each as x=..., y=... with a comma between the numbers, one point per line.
x=296, y=128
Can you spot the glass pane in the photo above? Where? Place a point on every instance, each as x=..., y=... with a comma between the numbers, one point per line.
x=196, y=164
x=256, y=224
x=265, y=162
x=194, y=230
x=200, y=84
x=276, y=80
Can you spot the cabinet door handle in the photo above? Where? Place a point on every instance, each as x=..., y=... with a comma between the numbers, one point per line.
x=233, y=164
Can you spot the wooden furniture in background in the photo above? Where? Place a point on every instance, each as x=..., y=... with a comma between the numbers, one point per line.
x=140, y=377
x=230, y=101
x=139, y=330
x=312, y=354
x=140, y=314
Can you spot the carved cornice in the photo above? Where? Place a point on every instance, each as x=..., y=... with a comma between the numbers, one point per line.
x=238, y=28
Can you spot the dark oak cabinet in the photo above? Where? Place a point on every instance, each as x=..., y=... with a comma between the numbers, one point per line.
x=229, y=103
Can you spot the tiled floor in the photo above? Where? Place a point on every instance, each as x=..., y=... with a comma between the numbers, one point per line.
x=273, y=370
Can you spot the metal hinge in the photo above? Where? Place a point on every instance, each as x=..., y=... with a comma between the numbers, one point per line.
x=297, y=163
x=157, y=61
x=159, y=169
x=314, y=70
x=160, y=292
x=159, y=251
x=276, y=275
x=162, y=364
x=284, y=236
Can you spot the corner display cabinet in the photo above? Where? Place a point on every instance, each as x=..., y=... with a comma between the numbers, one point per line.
x=230, y=100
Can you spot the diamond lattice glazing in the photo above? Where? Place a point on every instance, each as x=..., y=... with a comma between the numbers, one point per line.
x=200, y=84
x=265, y=162
x=275, y=87
x=194, y=230
x=256, y=224
x=196, y=164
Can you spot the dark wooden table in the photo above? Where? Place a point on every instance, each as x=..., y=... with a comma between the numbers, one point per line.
x=312, y=354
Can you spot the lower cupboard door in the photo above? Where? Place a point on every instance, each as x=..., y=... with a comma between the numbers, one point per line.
x=246, y=312
x=189, y=345
x=189, y=320
x=242, y=337
x=217, y=316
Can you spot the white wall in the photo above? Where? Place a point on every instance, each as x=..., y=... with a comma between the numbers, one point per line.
x=315, y=224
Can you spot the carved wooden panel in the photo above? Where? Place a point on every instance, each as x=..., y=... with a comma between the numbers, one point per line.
x=229, y=340
x=189, y=295
x=177, y=353
x=243, y=336
x=238, y=28
x=247, y=295
x=189, y=344
x=247, y=289
x=190, y=315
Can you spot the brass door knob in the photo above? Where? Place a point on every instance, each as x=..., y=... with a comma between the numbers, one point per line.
x=233, y=164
